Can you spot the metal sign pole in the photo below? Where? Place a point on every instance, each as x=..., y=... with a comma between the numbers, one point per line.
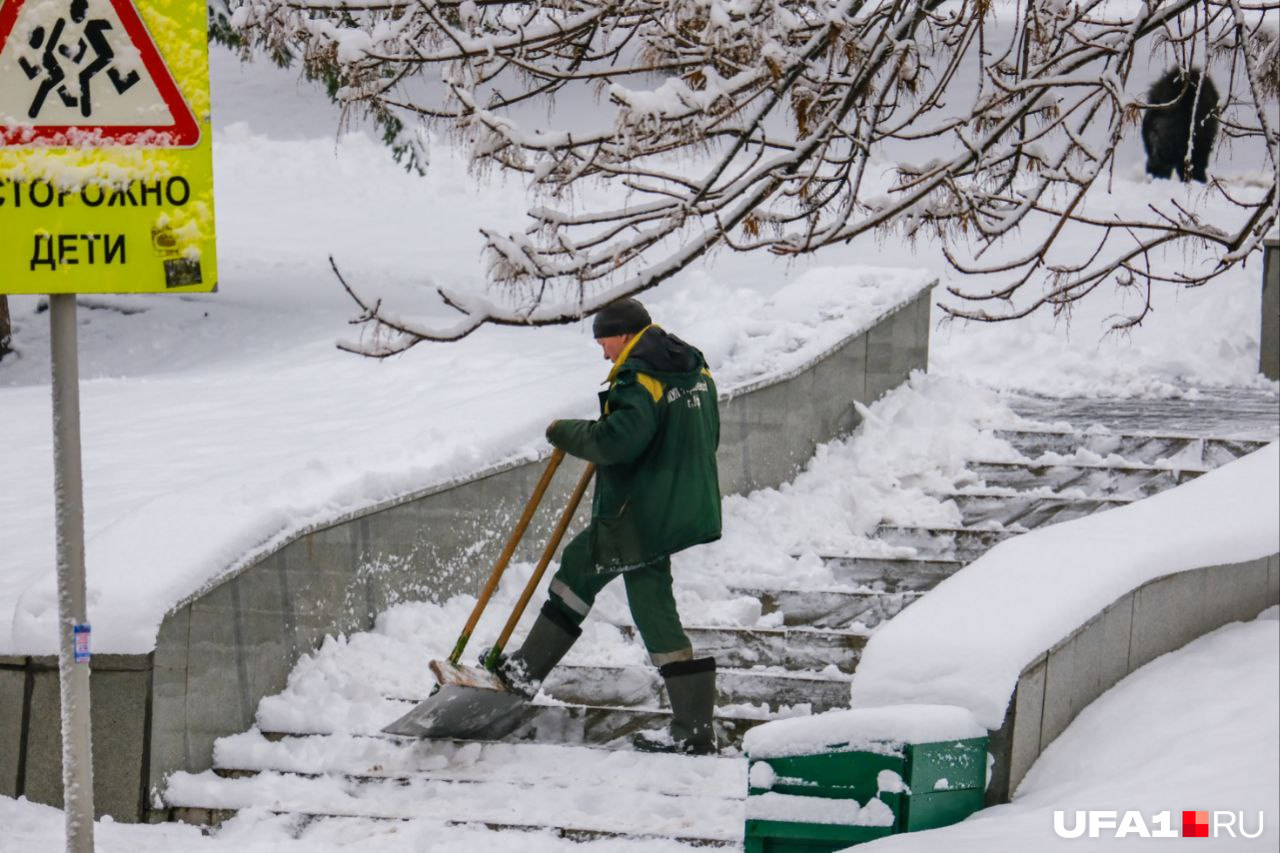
x=1269, y=336
x=73, y=622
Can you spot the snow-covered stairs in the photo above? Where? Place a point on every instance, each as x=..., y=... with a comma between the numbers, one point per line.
x=584, y=685
x=948, y=544
x=1062, y=475
x=566, y=767
x=596, y=725
x=833, y=608
x=893, y=574
x=582, y=793
x=1098, y=479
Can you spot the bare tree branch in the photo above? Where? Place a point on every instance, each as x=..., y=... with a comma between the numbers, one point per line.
x=787, y=126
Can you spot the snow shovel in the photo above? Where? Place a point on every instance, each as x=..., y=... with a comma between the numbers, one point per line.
x=467, y=699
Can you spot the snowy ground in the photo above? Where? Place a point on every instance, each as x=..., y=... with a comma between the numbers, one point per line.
x=230, y=419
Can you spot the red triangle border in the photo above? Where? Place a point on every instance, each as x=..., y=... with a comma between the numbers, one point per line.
x=184, y=133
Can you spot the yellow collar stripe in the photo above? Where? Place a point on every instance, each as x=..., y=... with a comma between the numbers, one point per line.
x=653, y=386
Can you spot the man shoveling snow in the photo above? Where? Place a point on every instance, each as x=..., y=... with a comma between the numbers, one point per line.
x=657, y=492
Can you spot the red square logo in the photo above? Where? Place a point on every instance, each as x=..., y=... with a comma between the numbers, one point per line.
x=1195, y=824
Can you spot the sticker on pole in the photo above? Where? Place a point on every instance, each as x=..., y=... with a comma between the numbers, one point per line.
x=81, y=634
x=86, y=72
x=106, y=168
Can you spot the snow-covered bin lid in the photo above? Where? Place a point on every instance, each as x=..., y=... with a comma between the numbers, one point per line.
x=787, y=808
x=869, y=729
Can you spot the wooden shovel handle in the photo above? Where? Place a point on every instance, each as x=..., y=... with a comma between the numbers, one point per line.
x=557, y=456
x=561, y=526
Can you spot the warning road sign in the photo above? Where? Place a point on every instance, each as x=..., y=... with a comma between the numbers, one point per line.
x=106, y=181
x=95, y=74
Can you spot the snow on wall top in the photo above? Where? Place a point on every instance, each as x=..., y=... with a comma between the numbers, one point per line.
x=192, y=474
x=868, y=729
x=967, y=641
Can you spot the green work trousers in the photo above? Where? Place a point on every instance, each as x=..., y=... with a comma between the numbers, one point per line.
x=653, y=605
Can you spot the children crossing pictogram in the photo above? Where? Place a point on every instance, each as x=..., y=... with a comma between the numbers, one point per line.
x=73, y=72
x=93, y=46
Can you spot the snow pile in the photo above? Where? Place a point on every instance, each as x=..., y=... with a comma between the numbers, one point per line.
x=883, y=730
x=966, y=642
x=815, y=312
x=345, y=684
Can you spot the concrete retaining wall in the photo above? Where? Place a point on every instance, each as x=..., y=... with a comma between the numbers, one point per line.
x=1158, y=617
x=224, y=649
x=31, y=735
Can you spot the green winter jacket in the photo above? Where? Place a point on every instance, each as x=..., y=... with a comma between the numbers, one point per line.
x=654, y=445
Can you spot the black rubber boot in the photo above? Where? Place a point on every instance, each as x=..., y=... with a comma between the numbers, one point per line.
x=551, y=637
x=691, y=686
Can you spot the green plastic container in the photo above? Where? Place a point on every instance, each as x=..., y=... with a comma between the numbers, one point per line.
x=941, y=808
x=928, y=785
x=946, y=765
x=947, y=782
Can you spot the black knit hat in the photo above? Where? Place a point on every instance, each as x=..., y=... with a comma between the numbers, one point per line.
x=624, y=317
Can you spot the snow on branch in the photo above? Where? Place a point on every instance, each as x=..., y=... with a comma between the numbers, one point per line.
x=790, y=125
x=387, y=334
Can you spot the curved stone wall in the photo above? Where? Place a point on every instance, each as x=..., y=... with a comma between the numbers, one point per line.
x=1158, y=617
x=224, y=649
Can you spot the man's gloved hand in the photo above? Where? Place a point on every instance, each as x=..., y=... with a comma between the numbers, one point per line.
x=550, y=427
x=484, y=662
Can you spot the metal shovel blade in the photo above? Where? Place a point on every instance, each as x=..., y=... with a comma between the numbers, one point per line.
x=466, y=703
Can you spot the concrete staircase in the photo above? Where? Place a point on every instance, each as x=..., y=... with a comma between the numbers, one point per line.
x=565, y=767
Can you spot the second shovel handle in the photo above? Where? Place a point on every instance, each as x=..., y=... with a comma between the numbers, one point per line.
x=557, y=456
x=561, y=526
